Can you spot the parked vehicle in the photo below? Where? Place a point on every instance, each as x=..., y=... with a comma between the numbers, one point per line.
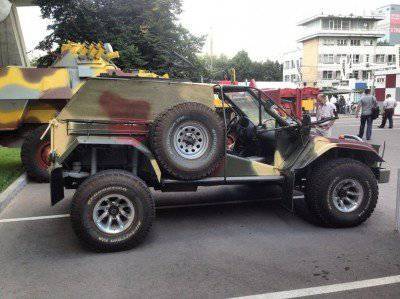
x=118, y=137
x=31, y=97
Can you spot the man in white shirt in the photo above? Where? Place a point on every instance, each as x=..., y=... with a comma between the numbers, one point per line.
x=388, y=110
x=325, y=109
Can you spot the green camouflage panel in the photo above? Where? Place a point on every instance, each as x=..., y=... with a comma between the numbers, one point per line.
x=120, y=99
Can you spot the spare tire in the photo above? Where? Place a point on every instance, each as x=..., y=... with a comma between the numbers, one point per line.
x=35, y=155
x=188, y=141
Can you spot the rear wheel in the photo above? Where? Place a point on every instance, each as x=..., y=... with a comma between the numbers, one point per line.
x=35, y=155
x=112, y=211
x=342, y=192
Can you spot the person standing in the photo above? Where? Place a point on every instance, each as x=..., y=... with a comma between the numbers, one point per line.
x=325, y=109
x=342, y=105
x=388, y=111
x=366, y=104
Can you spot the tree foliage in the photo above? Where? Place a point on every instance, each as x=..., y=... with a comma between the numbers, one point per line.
x=145, y=32
x=219, y=68
x=148, y=35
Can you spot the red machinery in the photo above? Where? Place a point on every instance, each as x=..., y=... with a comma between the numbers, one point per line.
x=292, y=99
x=227, y=82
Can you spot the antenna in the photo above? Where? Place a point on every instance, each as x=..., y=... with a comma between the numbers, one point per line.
x=211, y=47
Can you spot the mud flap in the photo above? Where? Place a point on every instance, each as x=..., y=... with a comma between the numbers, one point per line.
x=287, y=192
x=56, y=185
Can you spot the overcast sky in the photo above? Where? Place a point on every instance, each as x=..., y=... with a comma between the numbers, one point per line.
x=265, y=29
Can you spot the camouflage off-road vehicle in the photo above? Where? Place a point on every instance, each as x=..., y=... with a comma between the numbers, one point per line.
x=118, y=137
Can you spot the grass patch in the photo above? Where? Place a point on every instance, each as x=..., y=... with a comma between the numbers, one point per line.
x=10, y=166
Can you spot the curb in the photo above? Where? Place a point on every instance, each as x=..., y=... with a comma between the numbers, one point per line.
x=7, y=195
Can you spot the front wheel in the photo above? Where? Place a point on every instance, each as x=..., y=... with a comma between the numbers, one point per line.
x=342, y=192
x=112, y=211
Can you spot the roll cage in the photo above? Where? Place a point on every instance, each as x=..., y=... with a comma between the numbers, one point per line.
x=263, y=100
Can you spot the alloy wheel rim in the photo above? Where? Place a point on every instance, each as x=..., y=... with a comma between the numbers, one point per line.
x=113, y=214
x=347, y=195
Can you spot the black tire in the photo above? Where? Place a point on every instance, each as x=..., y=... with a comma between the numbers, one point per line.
x=325, y=180
x=210, y=153
x=112, y=183
x=32, y=155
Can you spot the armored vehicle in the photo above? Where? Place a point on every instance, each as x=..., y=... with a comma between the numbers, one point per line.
x=31, y=97
x=118, y=137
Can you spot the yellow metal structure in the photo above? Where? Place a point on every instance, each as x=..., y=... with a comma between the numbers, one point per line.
x=36, y=95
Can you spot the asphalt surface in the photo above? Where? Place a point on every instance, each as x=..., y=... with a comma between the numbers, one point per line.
x=212, y=251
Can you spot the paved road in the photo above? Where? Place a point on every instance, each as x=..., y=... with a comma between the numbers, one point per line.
x=207, y=251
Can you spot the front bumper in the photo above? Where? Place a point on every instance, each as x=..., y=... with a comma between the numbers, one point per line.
x=383, y=175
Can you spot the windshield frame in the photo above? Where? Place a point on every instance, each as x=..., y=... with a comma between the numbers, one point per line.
x=257, y=94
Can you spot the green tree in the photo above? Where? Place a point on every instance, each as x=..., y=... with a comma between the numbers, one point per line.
x=244, y=66
x=145, y=32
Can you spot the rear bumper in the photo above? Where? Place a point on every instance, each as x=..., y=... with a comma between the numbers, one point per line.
x=383, y=175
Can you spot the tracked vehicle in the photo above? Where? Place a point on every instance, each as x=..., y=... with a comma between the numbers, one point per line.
x=119, y=137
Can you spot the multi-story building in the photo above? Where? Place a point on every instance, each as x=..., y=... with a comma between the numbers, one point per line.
x=338, y=51
x=390, y=25
x=292, y=66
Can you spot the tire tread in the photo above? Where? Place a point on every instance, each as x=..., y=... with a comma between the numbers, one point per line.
x=317, y=180
x=108, y=177
x=156, y=141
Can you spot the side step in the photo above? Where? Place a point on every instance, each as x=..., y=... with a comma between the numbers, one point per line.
x=226, y=181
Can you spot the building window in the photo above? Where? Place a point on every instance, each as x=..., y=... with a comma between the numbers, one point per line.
x=391, y=59
x=365, y=75
x=380, y=58
x=342, y=42
x=326, y=59
x=287, y=65
x=367, y=58
x=338, y=75
x=328, y=42
x=356, y=58
x=327, y=75
x=380, y=80
x=355, y=74
x=355, y=42
x=287, y=78
x=369, y=42
x=339, y=58
x=345, y=25
x=293, y=78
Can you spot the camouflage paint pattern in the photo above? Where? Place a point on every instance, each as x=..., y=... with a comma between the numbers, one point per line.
x=121, y=100
x=37, y=95
x=119, y=111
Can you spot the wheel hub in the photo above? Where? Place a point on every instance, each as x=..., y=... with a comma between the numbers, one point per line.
x=43, y=154
x=190, y=140
x=113, y=214
x=347, y=195
x=113, y=210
